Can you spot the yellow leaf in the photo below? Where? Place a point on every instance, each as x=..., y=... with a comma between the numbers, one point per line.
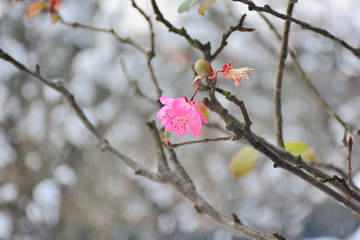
x=297, y=148
x=243, y=161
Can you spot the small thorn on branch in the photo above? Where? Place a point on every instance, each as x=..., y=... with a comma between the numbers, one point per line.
x=278, y=236
x=37, y=68
x=236, y=219
x=198, y=209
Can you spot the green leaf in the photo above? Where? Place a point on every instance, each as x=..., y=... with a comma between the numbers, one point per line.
x=243, y=161
x=166, y=136
x=297, y=148
x=186, y=5
x=203, y=67
x=205, y=6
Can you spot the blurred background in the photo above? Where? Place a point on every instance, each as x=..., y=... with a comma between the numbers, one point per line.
x=55, y=183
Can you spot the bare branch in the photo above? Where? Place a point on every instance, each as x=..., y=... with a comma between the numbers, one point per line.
x=237, y=27
x=304, y=25
x=308, y=82
x=183, y=186
x=253, y=140
x=134, y=83
x=350, y=144
x=240, y=104
x=105, y=145
x=205, y=140
x=279, y=77
x=111, y=31
x=150, y=54
x=180, y=168
x=338, y=171
x=204, y=48
x=162, y=163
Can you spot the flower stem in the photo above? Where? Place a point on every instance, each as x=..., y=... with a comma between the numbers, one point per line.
x=197, y=87
x=213, y=77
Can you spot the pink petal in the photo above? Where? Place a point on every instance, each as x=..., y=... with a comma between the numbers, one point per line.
x=180, y=107
x=165, y=100
x=226, y=75
x=179, y=125
x=161, y=115
x=237, y=82
x=195, y=120
x=195, y=124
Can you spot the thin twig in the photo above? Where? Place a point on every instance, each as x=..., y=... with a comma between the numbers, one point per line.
x=180, y=168
x=162, y=163
x=111, y=31
x=205, y=140
x=279, y=77
x=204, y=48
x=349, y=145
x=239, y=103
x=151, y=53
x=304, y=25
x=247, y=121
x=337, y=170
x=134, y=83
x=225, y=36
x=308, y=82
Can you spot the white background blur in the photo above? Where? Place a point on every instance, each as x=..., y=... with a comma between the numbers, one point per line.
x=54, y=180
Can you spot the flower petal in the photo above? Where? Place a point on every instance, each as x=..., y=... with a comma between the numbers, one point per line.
x=180, y=107
x=165, y=100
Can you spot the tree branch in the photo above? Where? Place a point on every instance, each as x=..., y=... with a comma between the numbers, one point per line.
x=180, y=168
x=105, y=145
x=239, y=103
x=185, y=187
x=151, y=53
x=162, y=163
x=304, y=25
x=331, y=112
x=349, y=145
x=205, y=140
x=353, y=203
x=111, y=31
x=225, y=36
x=204, y=48
x=279, y=77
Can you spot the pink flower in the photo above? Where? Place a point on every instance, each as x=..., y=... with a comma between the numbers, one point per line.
x=181, y=116
x=237, y=74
